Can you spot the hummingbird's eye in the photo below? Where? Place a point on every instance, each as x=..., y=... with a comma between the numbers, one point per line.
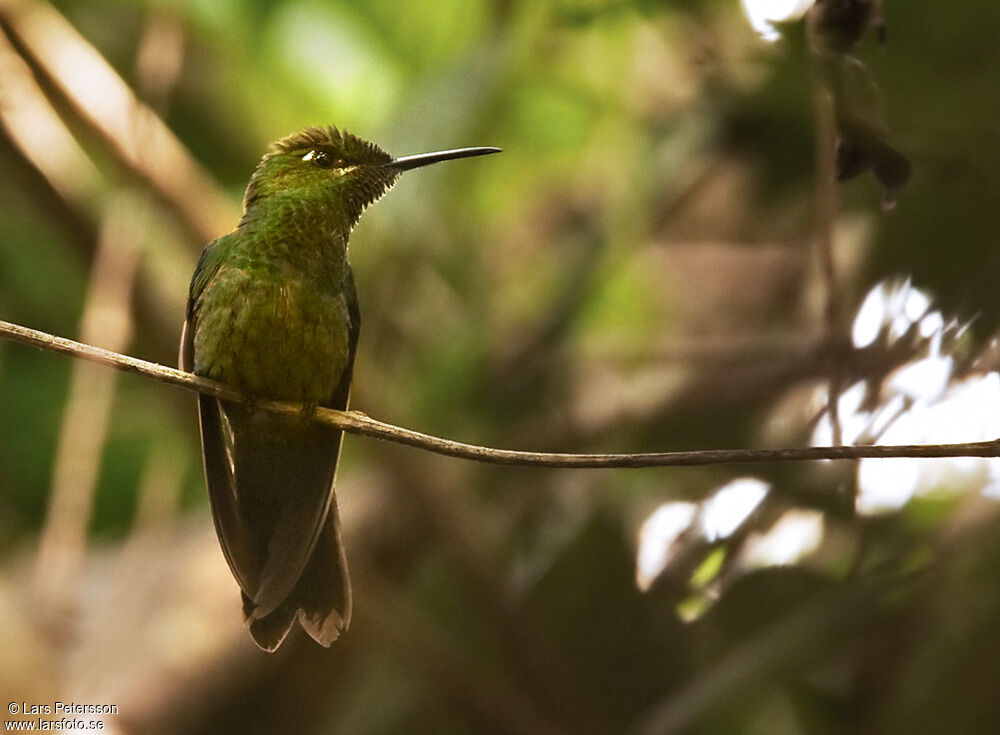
x=319, y=158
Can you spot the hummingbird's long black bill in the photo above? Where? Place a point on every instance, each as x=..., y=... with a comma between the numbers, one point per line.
x=405, y=163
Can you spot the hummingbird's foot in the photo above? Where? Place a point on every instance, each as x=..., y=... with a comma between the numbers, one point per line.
x=308, y=410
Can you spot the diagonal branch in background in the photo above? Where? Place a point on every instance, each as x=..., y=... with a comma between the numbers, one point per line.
x=36, y=132
x=59, y=175
x=86, y=417
x=77, y=73
x=355, y=422
x=106, y=320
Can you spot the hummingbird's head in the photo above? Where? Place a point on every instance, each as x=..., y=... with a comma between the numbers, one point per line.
x=334, y=169
x=323, y=167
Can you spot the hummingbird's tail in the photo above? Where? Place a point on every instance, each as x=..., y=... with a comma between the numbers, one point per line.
x=321, y=599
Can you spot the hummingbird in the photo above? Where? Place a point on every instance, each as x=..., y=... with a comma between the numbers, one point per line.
x=273, y=312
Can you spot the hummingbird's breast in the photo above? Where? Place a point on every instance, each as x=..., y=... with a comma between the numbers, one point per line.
x=273, y=335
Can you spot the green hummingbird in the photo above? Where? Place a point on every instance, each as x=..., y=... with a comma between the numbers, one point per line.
x=273, y=312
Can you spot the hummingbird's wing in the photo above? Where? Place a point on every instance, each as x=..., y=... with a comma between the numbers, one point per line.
x=219, y=474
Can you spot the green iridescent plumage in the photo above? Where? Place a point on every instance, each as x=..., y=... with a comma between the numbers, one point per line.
x=273, y=311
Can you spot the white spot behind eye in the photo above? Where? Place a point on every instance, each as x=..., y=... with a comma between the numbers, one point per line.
x=320, y=158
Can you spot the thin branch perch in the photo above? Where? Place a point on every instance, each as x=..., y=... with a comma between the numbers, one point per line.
x=355, y=422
